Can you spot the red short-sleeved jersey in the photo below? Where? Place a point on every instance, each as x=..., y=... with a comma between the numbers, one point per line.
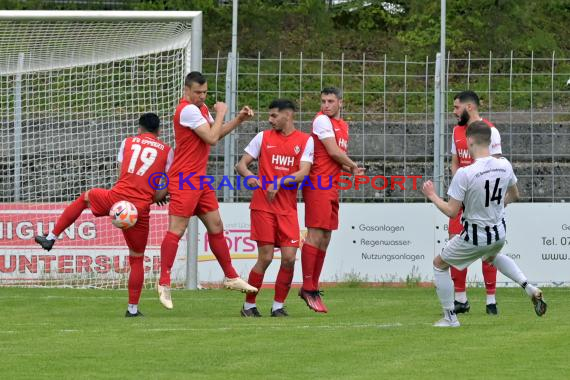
x=324, y=167
x=191, y=153
x=140, y=157
x=279, y=156
x=460, y=142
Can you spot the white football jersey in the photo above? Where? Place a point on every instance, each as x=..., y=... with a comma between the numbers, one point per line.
x=482, y=187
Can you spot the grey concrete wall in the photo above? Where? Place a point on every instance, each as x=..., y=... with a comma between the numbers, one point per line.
x=59, y=160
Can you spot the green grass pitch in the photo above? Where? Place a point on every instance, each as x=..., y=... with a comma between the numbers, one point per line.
x=369, y=333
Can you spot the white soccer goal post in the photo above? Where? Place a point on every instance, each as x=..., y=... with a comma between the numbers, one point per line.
x=72, y=86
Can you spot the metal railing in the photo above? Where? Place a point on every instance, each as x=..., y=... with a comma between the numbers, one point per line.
x=389, y=105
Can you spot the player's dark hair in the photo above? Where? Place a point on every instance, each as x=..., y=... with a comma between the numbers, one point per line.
x=283, y=104
x=480, y=131
x=149, y=122
x=194, y=77
x=332, y=91
x=467, y=97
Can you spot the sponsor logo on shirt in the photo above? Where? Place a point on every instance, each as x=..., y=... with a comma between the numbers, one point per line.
x=281, y=160
x=463, y=153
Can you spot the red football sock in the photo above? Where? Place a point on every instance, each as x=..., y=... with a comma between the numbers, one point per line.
x=136, y=278
x=255, y=279
x=168, y=251
x=459, y=277
x=283, y=283
x=318, y=267
x=221, y=251
x=490, y=277
x=308, y=262
x=70, y=215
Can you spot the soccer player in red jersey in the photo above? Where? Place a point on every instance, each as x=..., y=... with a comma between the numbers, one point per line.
x=465, y=109
x=195, y=131
x=330, y=134
x=139, y=157
x=285, y=156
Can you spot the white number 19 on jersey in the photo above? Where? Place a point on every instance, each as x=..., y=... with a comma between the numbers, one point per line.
x=147, y=156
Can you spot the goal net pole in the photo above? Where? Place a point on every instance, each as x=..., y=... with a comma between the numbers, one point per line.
x=53, y=64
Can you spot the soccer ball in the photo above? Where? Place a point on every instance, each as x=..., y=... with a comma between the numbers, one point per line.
x=123, y=215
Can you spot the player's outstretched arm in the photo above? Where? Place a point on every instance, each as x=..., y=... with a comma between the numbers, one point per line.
x=244, y=114
x=450, y=208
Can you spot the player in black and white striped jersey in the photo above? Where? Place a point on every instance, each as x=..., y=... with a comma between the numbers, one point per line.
x=482, y=189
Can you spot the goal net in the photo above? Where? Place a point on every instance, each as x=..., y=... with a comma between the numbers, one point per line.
x=72, y=87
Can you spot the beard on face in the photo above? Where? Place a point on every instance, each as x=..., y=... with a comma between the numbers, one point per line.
x=464, y=118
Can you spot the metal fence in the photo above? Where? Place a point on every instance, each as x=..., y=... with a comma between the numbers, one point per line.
x=389, y=105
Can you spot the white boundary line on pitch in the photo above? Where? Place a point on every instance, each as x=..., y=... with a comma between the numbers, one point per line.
x=257, y=327
x=344, y=326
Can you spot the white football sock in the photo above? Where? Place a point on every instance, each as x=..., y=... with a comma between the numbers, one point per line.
x=133, y=309
x=531, y=290
x=277, y=306
x=51, y=236
x=491, y=299
x=509, y=268
x=247, y=305
x=450, y=315
x=461, y=297
x=444, y=288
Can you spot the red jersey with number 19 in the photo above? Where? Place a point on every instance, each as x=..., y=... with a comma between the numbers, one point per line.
x=140, y=157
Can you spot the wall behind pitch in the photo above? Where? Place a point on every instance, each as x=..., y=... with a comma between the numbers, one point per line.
x=375, y=242
x=397, y=243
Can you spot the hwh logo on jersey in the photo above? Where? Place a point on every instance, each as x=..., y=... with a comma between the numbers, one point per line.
x=278, y=159
x=343, y=143
x=463, y=153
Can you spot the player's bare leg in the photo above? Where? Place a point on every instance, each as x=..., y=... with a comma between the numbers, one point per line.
x=69, y=215
x=312, y=259
x=509, y=268
x=283, y=281
x=136, y=280
x=264, y=258
x=168, y=249
x=213, y=223
x=444, y=289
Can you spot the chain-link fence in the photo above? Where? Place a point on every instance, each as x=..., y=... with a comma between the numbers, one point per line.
x=389, y=105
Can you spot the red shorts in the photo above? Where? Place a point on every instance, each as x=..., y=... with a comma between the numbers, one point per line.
x=321, y=208
x=100, y=203
x=187, y=203
x=279, y=230
x=455, y=226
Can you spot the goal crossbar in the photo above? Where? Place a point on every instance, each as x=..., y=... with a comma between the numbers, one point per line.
x=145, y=32
x=108, y=16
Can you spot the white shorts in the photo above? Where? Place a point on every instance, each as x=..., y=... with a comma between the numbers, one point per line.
x=460, y=253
